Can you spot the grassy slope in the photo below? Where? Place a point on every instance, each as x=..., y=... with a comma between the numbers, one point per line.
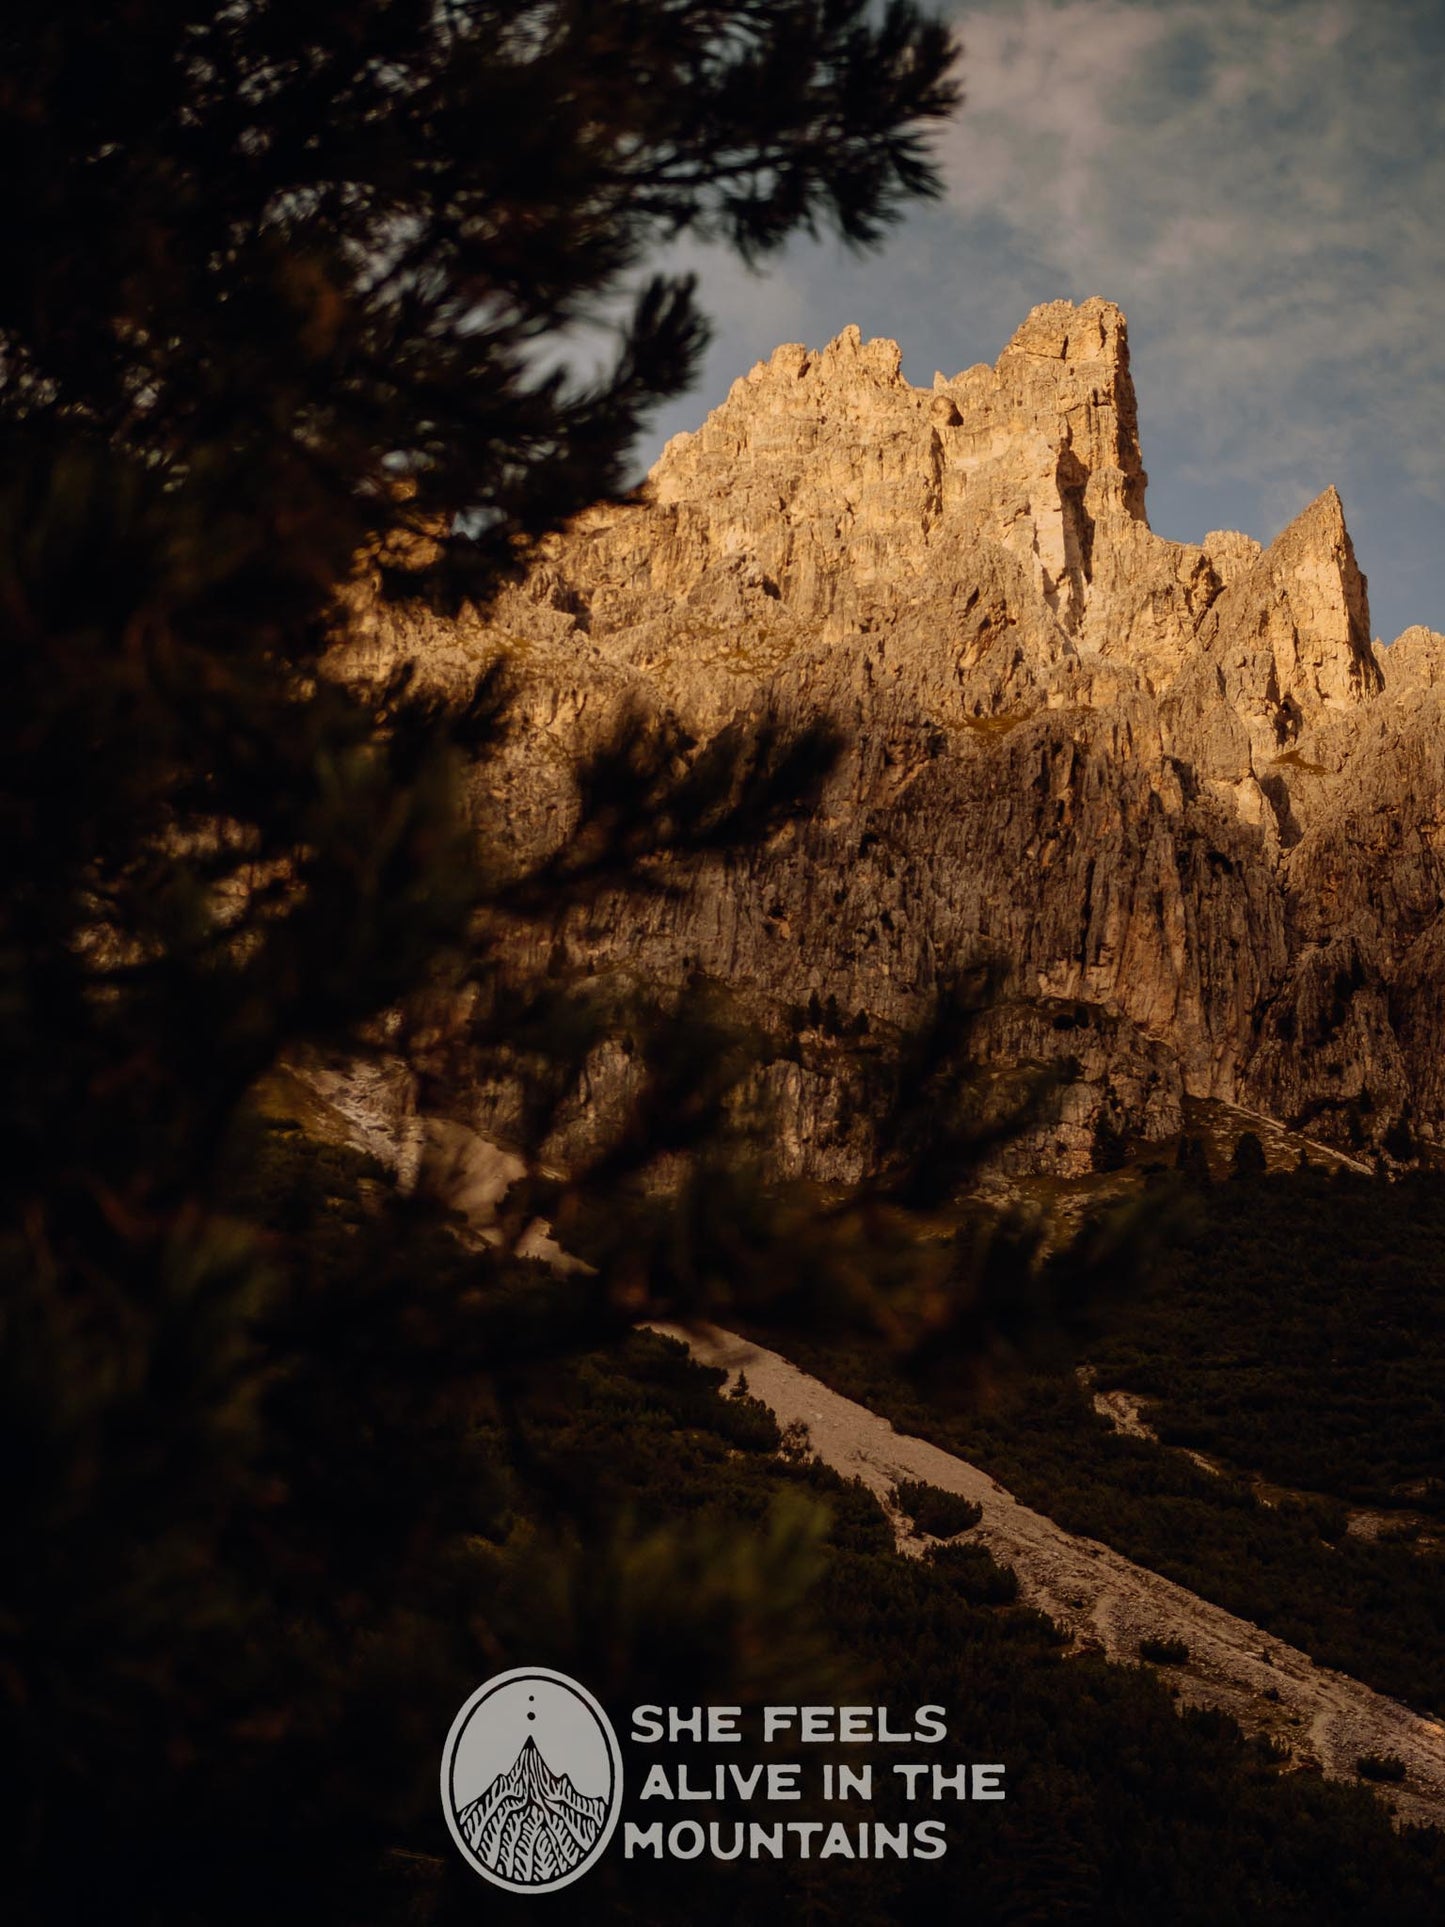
x=651, y=1545
x=1119, y=1809
x=1298, y=1333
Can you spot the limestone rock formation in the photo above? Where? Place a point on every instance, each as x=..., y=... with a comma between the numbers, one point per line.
x=1173, y=791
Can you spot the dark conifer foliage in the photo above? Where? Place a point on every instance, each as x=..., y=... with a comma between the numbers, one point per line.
x=286, y=284
x=288, y=253
x=281, y=283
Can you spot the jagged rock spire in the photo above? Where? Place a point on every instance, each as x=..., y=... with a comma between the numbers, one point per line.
x=1157, y=780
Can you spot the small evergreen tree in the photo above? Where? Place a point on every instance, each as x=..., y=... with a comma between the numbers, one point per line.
x=1248, y=1160
x=1192, y=1159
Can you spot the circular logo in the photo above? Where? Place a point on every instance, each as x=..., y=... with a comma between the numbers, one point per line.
x=531, y=1780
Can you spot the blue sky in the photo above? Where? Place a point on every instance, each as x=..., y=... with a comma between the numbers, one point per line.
x=1260, y=185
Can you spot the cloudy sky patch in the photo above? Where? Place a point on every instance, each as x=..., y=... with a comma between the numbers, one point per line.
x=1258, y=185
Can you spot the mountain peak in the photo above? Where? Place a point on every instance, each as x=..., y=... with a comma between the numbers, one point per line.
x=1093, y=330
x=833, y=471
x=1291, y=630
x=1152, y=777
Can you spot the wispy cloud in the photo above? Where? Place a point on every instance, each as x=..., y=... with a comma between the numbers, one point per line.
x=1040, y=122
x=1257, y=182
x=1259, y=186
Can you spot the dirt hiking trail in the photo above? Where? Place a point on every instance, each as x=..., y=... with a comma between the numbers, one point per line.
x=1103, y=1601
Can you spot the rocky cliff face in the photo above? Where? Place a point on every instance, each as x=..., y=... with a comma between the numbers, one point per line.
x=1174, y=790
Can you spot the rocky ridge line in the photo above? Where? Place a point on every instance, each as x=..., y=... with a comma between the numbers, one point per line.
x=1174, y=790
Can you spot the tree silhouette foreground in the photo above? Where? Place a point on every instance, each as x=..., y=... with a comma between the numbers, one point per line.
x=287, y=283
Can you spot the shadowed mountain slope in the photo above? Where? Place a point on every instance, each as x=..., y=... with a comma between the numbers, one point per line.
x=1173, y=791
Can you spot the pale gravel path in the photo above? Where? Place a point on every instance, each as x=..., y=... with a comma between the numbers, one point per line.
x=1105, y=1601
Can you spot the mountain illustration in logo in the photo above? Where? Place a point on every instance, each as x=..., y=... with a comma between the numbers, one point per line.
x=531, y=1825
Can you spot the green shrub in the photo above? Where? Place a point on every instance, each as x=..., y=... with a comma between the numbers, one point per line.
x=1164, y=1652
x=940, y=1514
x=975, y=1575
x=1249, y=1160
x=747, y=1422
